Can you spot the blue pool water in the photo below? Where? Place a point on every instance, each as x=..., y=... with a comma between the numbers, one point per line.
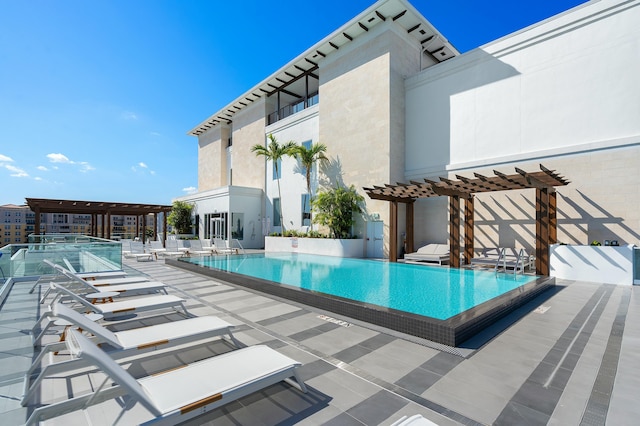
x=430, y=291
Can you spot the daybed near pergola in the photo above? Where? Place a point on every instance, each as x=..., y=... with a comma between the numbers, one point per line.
x=103, y=208
x=544, y=182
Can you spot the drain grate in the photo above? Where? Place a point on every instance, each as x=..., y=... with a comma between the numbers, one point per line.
x=335, y=321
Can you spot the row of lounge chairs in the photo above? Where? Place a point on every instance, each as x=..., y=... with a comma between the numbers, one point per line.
x=175, y=248
x=170, y=397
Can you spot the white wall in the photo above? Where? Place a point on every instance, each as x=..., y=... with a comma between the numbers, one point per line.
x=232, y=199
x=564, y=93
x=611, y=265
x=299, y=127
x=562, y=84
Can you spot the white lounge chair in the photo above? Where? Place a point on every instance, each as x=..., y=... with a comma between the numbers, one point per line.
x=137, y=252
x=180, y=394
x=117, y=285
x=198, y=249
x=156, y=247
x=173, y=250
x=97, y=279
x=430, y=253
x=124, y=343
x=128, y=306
x=56, y=269
x=222, y=247
x=507, y=258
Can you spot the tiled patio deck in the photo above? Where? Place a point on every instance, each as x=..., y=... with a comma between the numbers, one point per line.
x=572, y=361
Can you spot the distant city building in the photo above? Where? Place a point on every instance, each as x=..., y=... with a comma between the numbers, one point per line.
x=18, y=222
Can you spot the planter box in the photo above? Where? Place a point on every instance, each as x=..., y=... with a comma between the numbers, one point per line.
x=323, y=246
x=602, y=264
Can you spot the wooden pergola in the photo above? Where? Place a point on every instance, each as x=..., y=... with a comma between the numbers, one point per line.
x=544, y=182
x=103, y=209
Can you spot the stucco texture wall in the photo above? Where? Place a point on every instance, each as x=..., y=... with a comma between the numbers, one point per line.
x=248, y=130
x=362, y=114
x=210, y=160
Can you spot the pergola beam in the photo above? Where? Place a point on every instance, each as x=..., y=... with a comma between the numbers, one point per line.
x=544, y=182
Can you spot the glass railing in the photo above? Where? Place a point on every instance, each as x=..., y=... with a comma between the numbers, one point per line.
x=73, y=251
x=291, y=109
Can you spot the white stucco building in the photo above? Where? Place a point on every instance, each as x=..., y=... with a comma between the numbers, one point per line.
x=394, y=101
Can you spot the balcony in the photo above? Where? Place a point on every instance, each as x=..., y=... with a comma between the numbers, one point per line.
x=291, y=109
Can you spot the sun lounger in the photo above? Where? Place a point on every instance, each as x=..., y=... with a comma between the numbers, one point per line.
x=506, y=258
x=84, y=275
x=430, y=253
x=180, y=394
x=198, y=249
x=173, y=250
x=97, y=279
x=117, y=285
x=129, y=306
x=124, y=343
x=137, y=252
x=223, y=248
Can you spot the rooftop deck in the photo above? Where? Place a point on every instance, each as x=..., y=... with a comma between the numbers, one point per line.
x=573, y=360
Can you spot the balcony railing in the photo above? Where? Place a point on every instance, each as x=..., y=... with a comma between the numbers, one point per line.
x=85, y=254
x=291, y=109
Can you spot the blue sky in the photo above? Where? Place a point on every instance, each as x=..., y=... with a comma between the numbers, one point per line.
x=96, y=97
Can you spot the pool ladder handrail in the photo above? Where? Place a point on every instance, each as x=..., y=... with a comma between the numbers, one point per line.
x=519, y=261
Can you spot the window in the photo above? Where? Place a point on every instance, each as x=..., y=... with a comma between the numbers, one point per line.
x=306, y=210
x=278, y=172
x=237, y=226
x=276, y=212
x=303, y=169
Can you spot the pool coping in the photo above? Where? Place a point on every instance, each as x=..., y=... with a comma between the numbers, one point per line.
x=452, y=331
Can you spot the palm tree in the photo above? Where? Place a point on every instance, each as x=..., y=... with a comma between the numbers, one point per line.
x=308, y=157
x=274, y=152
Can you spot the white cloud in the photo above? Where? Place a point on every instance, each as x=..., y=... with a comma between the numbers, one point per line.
x=85, y=167
x=17, y=172
x=59, y=158
x=141, y=164
x=63, y=159
x=128, y=115
x=42, y=168
x=152, y=172
x=190, y=190
x=5, y=159
x=37, y=178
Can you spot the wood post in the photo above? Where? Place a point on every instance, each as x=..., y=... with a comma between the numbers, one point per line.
x=542, y=231
x=164, y=229
x=36, y=231
x=393, y=231
x=468, y=230
x=108, y=225
x=454, y=231
x=409, y=223
x=144, y=227
x=553, y=219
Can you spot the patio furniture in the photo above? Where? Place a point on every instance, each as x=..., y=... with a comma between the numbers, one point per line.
x=430, y=253
x=180, y=394
x=125, y=343
x=129, y=306
x=507, y=258
x=222, y=247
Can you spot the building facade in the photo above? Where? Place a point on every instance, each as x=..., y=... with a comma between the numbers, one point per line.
x=18, y=222
x=394, y=101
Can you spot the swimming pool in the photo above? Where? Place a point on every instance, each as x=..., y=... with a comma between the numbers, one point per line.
x=441, y=304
